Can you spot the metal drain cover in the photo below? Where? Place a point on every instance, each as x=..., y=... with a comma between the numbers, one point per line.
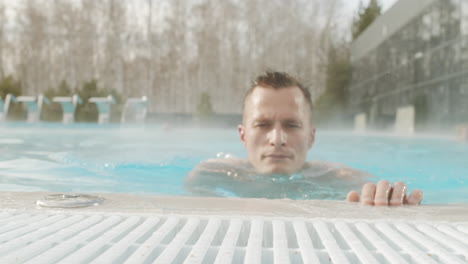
x=69, y=200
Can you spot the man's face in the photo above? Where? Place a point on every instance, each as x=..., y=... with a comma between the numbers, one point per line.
x=276, y=130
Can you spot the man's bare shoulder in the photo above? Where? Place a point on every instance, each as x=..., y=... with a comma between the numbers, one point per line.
x=317, y=169
x=231, y=167
x=221, y=163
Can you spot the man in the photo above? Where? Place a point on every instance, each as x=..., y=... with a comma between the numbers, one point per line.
x=277, y=132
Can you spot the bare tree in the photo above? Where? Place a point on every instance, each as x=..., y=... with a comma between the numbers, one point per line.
x=170, y=50
x=2, y=39
x=33, y=47
x=113, y=34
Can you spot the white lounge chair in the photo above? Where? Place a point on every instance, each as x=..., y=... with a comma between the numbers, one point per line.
x=462, y=132
x=33, y=106
x=135, y=109
x=405, y=120
x=68, y=104
x=103, y=105
x=2, y=112
x=5, y=106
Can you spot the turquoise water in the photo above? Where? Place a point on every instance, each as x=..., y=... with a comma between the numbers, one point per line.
x=152, y=160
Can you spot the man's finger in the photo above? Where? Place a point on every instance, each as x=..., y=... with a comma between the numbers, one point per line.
x=382, y=193
x=415, y=197
x=398, y=194
x=368, y=194
x=353, y=196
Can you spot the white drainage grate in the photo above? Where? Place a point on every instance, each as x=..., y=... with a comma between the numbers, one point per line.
x=103, y=238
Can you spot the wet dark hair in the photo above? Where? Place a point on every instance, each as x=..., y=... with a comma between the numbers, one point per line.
x=278, y=80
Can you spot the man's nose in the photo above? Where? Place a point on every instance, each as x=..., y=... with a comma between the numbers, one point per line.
x=277, y=137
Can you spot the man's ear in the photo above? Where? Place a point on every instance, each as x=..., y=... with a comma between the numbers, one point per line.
x=311, y=137
x=241, y=130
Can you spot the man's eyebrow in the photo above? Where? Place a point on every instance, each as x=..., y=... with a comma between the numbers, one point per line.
x=258, y=119
x=292, y=120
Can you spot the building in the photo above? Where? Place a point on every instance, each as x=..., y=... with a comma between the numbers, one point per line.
x=416, y=54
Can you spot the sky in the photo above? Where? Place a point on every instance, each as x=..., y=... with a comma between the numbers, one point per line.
x=349, y=10
x=353, y=5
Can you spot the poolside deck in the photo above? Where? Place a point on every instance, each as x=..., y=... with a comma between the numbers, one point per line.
x=142, y=229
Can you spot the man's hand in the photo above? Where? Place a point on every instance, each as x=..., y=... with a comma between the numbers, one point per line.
x=384, y=194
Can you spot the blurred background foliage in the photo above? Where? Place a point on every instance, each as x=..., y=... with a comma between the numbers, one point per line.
x=197, y=59
x=86, y=112
x=331, y=105
x=9, y=85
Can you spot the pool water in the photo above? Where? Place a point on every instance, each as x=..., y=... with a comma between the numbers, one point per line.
x=153, y=160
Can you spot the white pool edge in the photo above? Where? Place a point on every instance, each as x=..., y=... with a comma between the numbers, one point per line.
x=128, y=203
x=206, y=230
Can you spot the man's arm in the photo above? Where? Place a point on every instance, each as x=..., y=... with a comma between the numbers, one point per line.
x=380, y=194
x=331, y=172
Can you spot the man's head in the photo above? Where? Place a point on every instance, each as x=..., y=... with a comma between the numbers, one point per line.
x=277, y=128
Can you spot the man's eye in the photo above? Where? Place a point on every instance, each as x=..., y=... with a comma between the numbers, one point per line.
x=261, y=125
x=293, y=125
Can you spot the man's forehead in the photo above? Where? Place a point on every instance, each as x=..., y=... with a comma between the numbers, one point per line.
x=280, y=95
x=269, y=117
x=266, y=103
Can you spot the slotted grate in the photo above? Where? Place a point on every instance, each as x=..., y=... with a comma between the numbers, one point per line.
x=31, y=237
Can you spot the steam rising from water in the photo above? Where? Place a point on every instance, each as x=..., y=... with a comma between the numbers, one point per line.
x=87, y=158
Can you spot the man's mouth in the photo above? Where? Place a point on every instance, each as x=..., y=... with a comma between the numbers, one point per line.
x=278, y=156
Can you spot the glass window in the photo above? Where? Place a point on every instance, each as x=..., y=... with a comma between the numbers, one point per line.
x=436, y=32
x=426, y=26
x=464, y=17
x=454, y=19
